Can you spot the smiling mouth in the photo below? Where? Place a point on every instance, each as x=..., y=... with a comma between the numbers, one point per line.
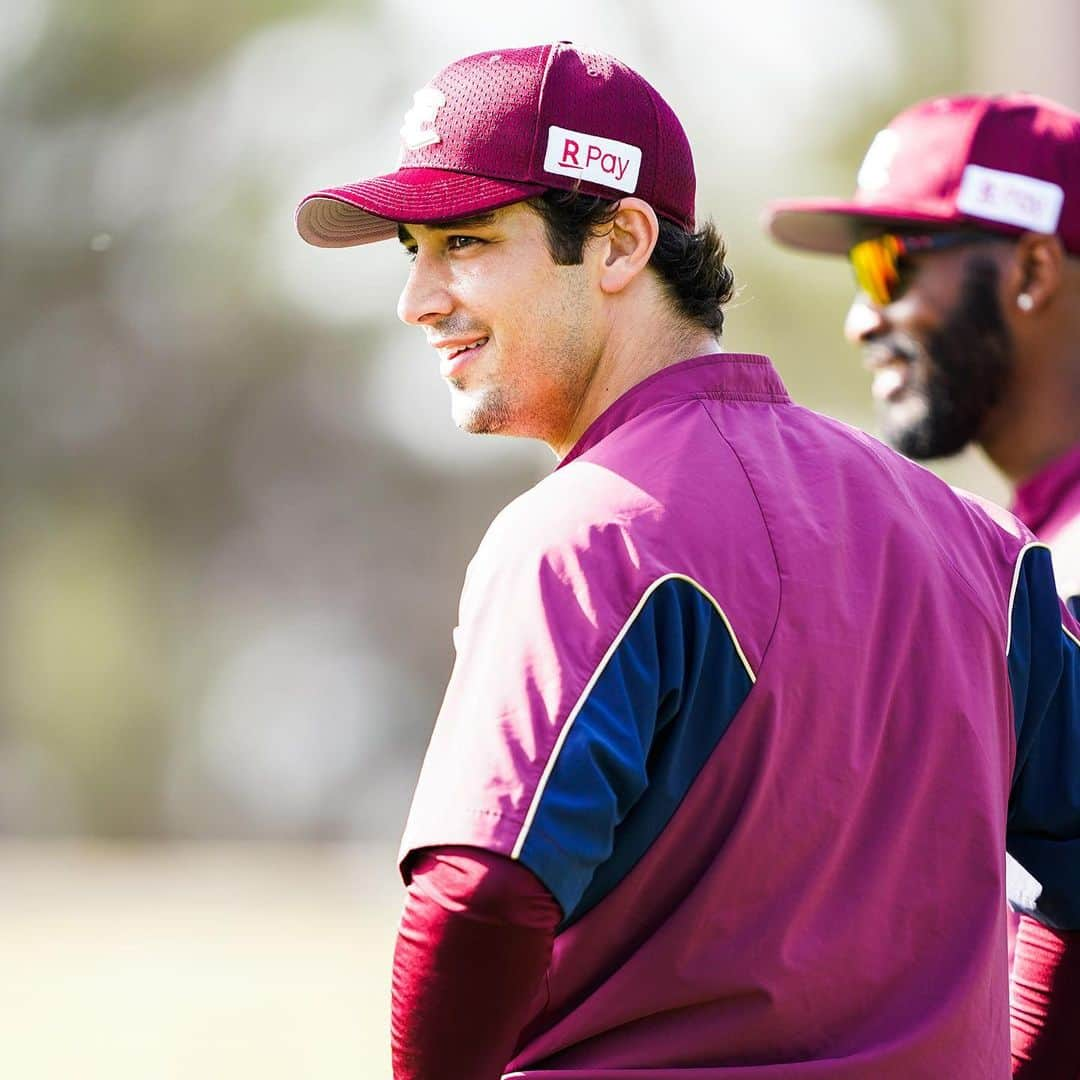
x=453, y=362
x=890, y=381
x=892, y=370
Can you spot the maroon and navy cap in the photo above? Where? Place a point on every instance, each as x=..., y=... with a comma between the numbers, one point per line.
x=498, y=127
x=1008, y=164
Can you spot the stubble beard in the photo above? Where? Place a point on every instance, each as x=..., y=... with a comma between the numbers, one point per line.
x=963, y=373
x=517, y=405
x=491, y=414
x=503, y=409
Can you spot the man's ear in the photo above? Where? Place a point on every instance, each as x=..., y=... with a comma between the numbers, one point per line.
x=628, y=244
x=1037, y=270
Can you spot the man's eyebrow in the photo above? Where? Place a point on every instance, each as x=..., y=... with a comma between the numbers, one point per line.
x=473, y=221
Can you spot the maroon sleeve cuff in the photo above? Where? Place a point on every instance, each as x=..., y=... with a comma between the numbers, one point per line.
x=1045, y=1003
x=472, y=951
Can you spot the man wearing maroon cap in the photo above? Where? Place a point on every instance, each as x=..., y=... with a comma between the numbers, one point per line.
x=964, y=233
x=720, y=783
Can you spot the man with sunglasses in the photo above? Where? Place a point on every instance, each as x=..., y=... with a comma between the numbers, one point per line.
x=964, y=237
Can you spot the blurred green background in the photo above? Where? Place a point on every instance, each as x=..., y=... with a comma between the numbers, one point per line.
x=235, y=511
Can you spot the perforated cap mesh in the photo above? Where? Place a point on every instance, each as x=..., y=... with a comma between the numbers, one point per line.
x=1007, y=163
x=500, y=126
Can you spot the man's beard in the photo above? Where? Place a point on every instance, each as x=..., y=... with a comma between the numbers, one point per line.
x=490, y=415
x=960, y=376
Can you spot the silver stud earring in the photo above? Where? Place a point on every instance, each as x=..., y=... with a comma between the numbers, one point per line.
x=1024, y=302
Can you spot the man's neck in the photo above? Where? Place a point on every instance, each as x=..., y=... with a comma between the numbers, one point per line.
x=1023, y=459
x=1036, y=424
x=623, y=364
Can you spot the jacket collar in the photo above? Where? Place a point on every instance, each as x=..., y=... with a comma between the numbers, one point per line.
x=731, y=376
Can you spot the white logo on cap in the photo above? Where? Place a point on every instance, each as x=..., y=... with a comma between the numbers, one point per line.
x=1010, y=198
x=591, y=157
x=415, y=132
x=878, y=163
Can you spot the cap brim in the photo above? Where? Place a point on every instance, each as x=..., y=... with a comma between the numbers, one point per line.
x=371, y=210
x=834, y=225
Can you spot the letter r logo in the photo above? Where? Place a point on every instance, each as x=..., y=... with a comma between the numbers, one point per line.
x=570, y=153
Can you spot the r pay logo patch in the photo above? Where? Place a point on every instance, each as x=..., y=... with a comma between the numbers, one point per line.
x=593, y=158
x=1010, y=198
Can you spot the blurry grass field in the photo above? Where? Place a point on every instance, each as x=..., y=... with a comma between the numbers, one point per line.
x=161, y=963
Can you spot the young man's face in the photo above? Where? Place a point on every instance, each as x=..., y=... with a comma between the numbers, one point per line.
x=940, y=353
x=516, y=334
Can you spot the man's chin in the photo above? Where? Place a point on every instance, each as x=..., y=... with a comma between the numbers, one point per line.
x=920, y=440
x=478, y=416
x=477, y=425
x=902, y=424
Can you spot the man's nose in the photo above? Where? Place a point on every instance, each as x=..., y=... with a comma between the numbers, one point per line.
x=425, y=295
x=864, y=320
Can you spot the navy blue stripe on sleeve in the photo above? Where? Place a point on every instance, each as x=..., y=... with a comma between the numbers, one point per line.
x=666, y=694
x=1044, y=805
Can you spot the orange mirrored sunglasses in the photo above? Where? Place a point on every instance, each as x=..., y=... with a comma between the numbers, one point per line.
x=878, y=261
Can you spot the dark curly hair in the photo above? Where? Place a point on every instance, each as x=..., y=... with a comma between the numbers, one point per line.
x=691, y=265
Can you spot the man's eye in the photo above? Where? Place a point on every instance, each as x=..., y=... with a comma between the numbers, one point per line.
x=410, y=253
x=456, y=243
x=906, y=270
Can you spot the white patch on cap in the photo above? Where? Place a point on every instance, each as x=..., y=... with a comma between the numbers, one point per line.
x=877, y=165
x=418, y=129
x=1011, y=198
x=593, y=158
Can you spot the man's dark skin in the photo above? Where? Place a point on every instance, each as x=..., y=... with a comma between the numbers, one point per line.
x=1027, y=349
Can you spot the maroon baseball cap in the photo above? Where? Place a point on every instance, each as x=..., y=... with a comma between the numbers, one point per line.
x=1008, y=164
x=501, y=126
